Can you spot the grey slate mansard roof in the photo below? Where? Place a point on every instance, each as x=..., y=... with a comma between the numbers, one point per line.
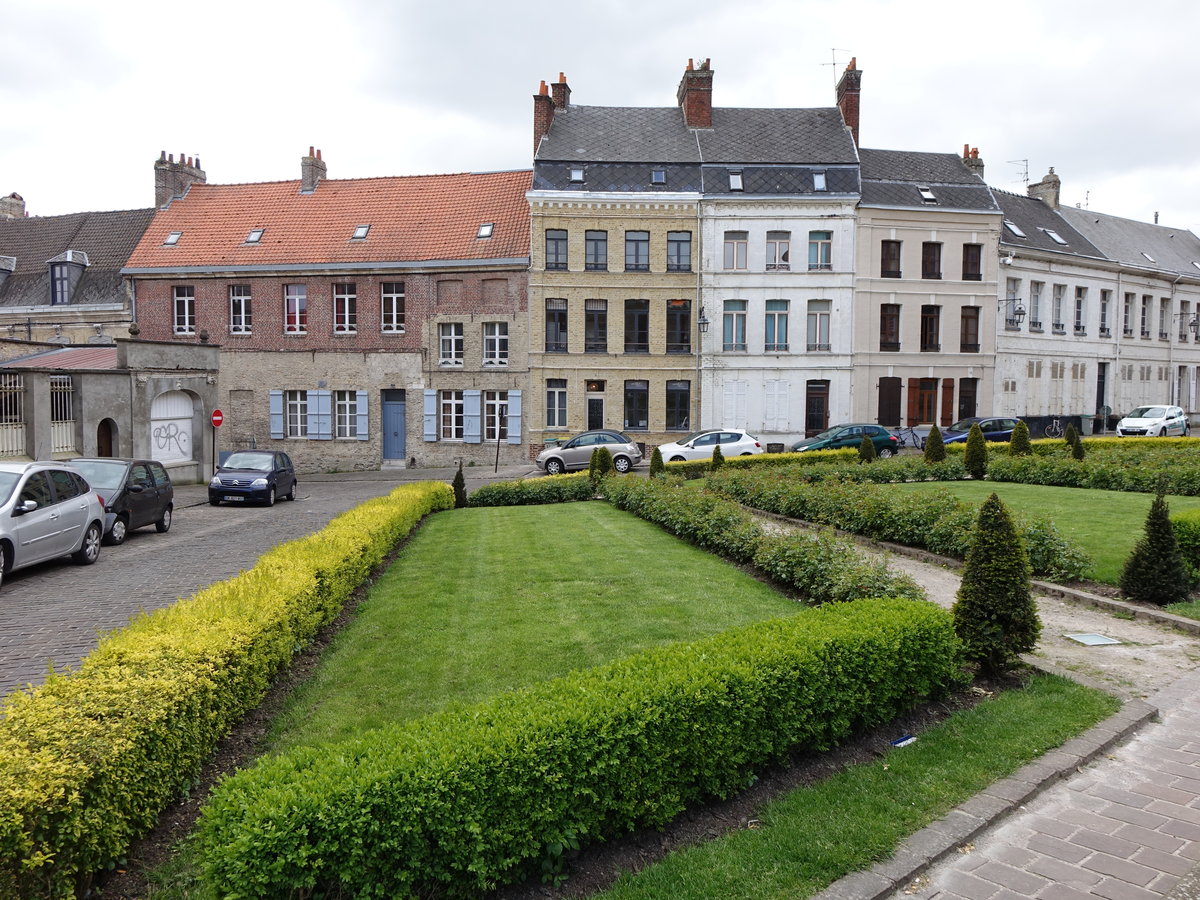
x=1125, y=240
x=892, y=177
x=108, y=238
x=1033, y=216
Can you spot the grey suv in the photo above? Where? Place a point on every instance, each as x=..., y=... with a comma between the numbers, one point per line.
x=577, y=452
x=47, y=510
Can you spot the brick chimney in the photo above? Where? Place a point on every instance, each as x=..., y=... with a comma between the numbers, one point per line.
x=312, y=170
x=848, y=89
x=695, y=95
x=543, y=114
x=12, y=206
x=1046, y=190
x=172, y=179
x=972, y=161
x=561, y=92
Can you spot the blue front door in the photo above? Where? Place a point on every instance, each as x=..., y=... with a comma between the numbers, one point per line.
x=393, y=424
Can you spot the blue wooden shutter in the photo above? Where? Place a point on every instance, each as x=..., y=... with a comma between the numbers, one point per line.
x=320, y=415
x=275, y=399
x=471, y=417
x=514, y=417
x=431, y=428
x=363, y=420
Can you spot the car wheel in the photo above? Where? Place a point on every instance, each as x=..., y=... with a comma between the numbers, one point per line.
x=677, y=459
x=554, y=467
x=291, y=494
x=120, y=531
x=885, y=452
x=89, y=550
x=213, y=501
x=270, y=501
x=744, y=454
x=622, y=464
x=163, y=525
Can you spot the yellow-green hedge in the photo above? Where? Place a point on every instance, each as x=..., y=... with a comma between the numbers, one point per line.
x=89, y=759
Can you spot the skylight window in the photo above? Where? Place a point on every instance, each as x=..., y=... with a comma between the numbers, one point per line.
x=1054, y=236
x=255, y=235
x=1149, y=257
x=735, y=181
x=1014, y=228
x=818, y=181
x=172, y=239
x=926, y=195
x=485, y=230
x=1196, y=264
x=577, y=173
x=360, y=232
x=658, y=176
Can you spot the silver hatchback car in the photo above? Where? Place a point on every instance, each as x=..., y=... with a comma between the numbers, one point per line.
x=47, y=510
x=577, y=452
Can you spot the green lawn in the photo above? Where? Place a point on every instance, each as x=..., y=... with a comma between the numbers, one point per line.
x=488, y=600
x=1106, y=524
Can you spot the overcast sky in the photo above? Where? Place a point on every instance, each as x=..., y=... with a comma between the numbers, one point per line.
x=1105, y=92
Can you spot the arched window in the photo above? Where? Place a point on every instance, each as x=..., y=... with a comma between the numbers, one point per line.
x=171, y=427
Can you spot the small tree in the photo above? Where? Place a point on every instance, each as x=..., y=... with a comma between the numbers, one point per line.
x=718, y=459
x=459, y=484
x=1018, y=444
x=1077, y=451
x=976, y=457
x=866, y=450
x=600, y=464
x=935, y=450
x=995, y=616
x=1071, y=436
x=657, y=466
x=1155, y=572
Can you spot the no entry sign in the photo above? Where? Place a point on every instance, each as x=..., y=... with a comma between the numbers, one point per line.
x=217, y=418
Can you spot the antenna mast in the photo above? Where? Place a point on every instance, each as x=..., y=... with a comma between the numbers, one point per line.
x=833, y=52
x=1024, y=164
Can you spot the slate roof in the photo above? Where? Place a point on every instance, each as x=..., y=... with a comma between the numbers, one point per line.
x=422, y=218
x=621, y=134
x=1125, y=240
x=1034, y=217
x=106, y=237
x=892, y=177
x=67, y=358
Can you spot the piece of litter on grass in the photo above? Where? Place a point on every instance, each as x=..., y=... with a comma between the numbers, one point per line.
x=1092, y=640
x=904, y=740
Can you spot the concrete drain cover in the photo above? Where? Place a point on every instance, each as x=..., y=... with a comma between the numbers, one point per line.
x=1092, y=640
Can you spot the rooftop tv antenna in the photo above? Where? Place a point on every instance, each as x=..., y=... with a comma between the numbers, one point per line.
x=1024, y=164
x=833, y=64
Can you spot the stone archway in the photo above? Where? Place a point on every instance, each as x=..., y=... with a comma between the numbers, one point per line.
x=171, y=422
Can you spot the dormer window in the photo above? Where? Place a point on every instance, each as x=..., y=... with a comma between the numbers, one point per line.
x=360, y=232
x=1014, y=228
x=926, y=195
x=485, y=230
x=65, y=271
x=735, y=181
x=577, y=173
x=255, y=235
x=1054, y=236
x=172, y=239
x=818, y=181
x=658, y=176
x=1149, y=257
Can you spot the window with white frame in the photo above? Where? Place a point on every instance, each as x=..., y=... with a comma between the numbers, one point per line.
x=736, y=244
x=295, y=309
x=820, y=250
x=345, y=308
x=1105, y=307
x=495, y=343
x=776, y=338
x=779, y=251
x=734, y=337
x=1059, y=298
x=1147, y=312
x=345, y=414
x=451, y=415
x=556, y=403
x=495, y=415
x=392, y=304
x=818, y=324
x=450, y=344
x=296, y=413
x=185, y=309
x=1081, y=310
x=239, y=309
x=1164, y=316
x=1127, y=315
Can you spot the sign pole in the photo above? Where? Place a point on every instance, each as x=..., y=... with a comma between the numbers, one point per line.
x=217, y=418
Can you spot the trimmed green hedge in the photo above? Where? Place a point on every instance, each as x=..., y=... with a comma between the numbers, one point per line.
x=934, y=520
x=535, y=491
x=89, y=759
x=699, y=468
x=823, y=567
x=459, y=802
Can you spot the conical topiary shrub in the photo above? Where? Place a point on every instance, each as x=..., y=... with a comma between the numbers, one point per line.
x=976, y=456
x=600, y=464
x=866, y=450
x=1077, y=451
x=935, y=450
x=1155, y=571
x=718, y=459
x=657, y=466
x=1071, y=436
x=995, y=616
x=1018, y=444
x=459, y=484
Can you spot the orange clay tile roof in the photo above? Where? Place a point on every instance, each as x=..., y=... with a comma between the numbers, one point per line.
x=412, y=218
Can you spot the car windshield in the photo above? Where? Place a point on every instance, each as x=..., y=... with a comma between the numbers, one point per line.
x=101, y=473
x=8, y=480
x=248, y=459
x=964, y=425
x=1148, y=412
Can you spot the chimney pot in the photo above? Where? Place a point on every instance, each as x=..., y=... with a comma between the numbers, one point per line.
x=312, y=171
x=561, y=92
x=849, y=87
x=1047, y=190
x=172, y=179
x=562, y=78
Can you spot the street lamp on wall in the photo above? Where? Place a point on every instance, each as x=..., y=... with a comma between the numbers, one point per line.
x=1015, y=312
x=702, y=322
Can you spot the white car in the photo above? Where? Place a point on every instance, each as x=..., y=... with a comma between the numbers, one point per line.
x=700, y=444
x=1155, y=421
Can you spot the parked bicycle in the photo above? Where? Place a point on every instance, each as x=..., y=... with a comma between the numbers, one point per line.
x=1054, y=429
x=909, y=437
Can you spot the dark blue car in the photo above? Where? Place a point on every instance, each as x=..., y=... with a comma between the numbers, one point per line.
x=994, y=428
x=253, y=476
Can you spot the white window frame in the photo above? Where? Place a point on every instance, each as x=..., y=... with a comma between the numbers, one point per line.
x=556, y=403
x=345, y=308
x=495, y=415
x=295, y=309
x=1080, y=309
x=820, y=251
x=391, y=304
x=819, y=312
x=451, y=344
x=239, y=309
x=184, y=309
x=295, y=405
x=495, y=343
x=775, y=337
x=452, y=415
x=733, y=327
x=345, y=414
x=736, y=246
x=779, y=251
